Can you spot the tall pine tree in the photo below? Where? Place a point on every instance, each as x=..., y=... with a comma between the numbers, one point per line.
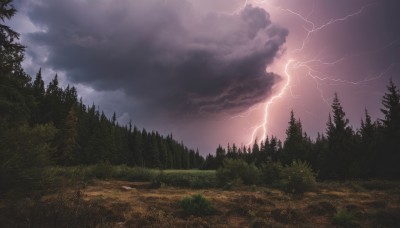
x=340, y=144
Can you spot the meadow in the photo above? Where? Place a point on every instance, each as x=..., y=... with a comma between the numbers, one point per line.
x=120, y=196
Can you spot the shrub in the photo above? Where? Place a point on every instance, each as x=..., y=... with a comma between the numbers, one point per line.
x=235, y=172
x=101, y=171
x=297, y=178
x=185, y=179
x=157, y=181
x=251, y=175
x=197, y=205
x=271, y=173
x=343, y=217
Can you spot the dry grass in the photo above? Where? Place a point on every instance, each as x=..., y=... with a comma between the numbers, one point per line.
x=139, y=205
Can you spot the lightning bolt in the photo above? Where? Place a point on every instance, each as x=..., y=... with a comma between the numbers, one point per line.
x=315, y=28
x=317, y=76
x=263, y=125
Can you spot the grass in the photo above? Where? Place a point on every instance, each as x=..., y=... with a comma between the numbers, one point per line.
x=197, y=205
x=189, y=171
x=177, y=178
x=344, y=217
x=186, y=178
x=104, y=203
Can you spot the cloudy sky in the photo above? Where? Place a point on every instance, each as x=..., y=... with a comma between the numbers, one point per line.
x=217, y=71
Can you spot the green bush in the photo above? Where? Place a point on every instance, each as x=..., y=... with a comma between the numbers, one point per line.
x=237, y=171
x=271, y=173
x=297, y=178
x=101, y=171
x=197, y=205
x=343, y=217
x=251, y=175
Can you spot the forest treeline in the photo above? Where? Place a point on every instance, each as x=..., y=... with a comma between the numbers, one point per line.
x=47, y=125
x=373, y=151
x=82, y=135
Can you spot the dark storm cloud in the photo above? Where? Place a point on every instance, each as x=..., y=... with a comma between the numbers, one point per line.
x=167, y=55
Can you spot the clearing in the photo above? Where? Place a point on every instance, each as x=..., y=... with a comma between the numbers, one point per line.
x=135, y=204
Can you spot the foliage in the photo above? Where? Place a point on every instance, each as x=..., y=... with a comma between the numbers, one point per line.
x=124, y=172
x=298, y=178
x=236, y=171
x=340, y=151
x=344, y=217
x=101, y=170
x=295, y=144
x=197, y=205
x=271, y=173
x=185, y=178
x=11, y=52
x=24, y=151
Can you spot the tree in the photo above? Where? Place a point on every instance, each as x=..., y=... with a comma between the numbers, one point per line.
x=367, y=130
x=391, y=108
x=340, y=145
x=53, y=105
x=390, y=132
x=11, y=52
x=368, y=147
x=23, y=153
x=219, y=156
x=67, y=139
x=38, y=85
x=14, y=106
x=38, y=92
x=294, y=148
x=22, y=148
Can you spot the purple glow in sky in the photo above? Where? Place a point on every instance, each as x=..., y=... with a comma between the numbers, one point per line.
x=217, y=71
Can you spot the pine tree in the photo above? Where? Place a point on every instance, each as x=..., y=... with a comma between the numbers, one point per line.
x=391, y=110
x=294, y=143
x=367, y=152
x=53, y=108
x=38, y=85
x=340, y=143
x=367, y=130
x=67, y=139
x=219, y=156
x=24, y=149
x=14, y=105
x=390, y=132
x=11, y=52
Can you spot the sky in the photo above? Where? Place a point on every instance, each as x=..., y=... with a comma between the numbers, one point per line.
x=217, y=71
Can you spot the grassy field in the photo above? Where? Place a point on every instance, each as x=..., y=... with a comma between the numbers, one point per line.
x=90, y=198
x=190, y=171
